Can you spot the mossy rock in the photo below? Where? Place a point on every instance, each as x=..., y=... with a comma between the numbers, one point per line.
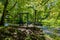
x=27, y=34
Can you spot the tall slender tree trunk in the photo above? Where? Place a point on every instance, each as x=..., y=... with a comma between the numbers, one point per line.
x=4, y=13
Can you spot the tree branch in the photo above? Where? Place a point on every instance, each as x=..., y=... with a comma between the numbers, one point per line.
x=13, y=6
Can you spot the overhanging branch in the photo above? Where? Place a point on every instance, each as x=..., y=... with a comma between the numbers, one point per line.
x=12, y=6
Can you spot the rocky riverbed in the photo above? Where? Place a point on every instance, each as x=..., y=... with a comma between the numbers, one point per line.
x=22, y=33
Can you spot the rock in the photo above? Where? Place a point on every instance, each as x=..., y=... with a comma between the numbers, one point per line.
x=22, y=33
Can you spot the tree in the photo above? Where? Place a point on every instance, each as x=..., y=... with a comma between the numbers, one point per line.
x=4, y=12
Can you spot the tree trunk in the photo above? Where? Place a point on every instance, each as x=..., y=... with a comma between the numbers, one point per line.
x=4, y=13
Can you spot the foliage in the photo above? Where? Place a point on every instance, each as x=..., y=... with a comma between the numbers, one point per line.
x=46, y=10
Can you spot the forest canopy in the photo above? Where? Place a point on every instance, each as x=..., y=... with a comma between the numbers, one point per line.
x=47, y=11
